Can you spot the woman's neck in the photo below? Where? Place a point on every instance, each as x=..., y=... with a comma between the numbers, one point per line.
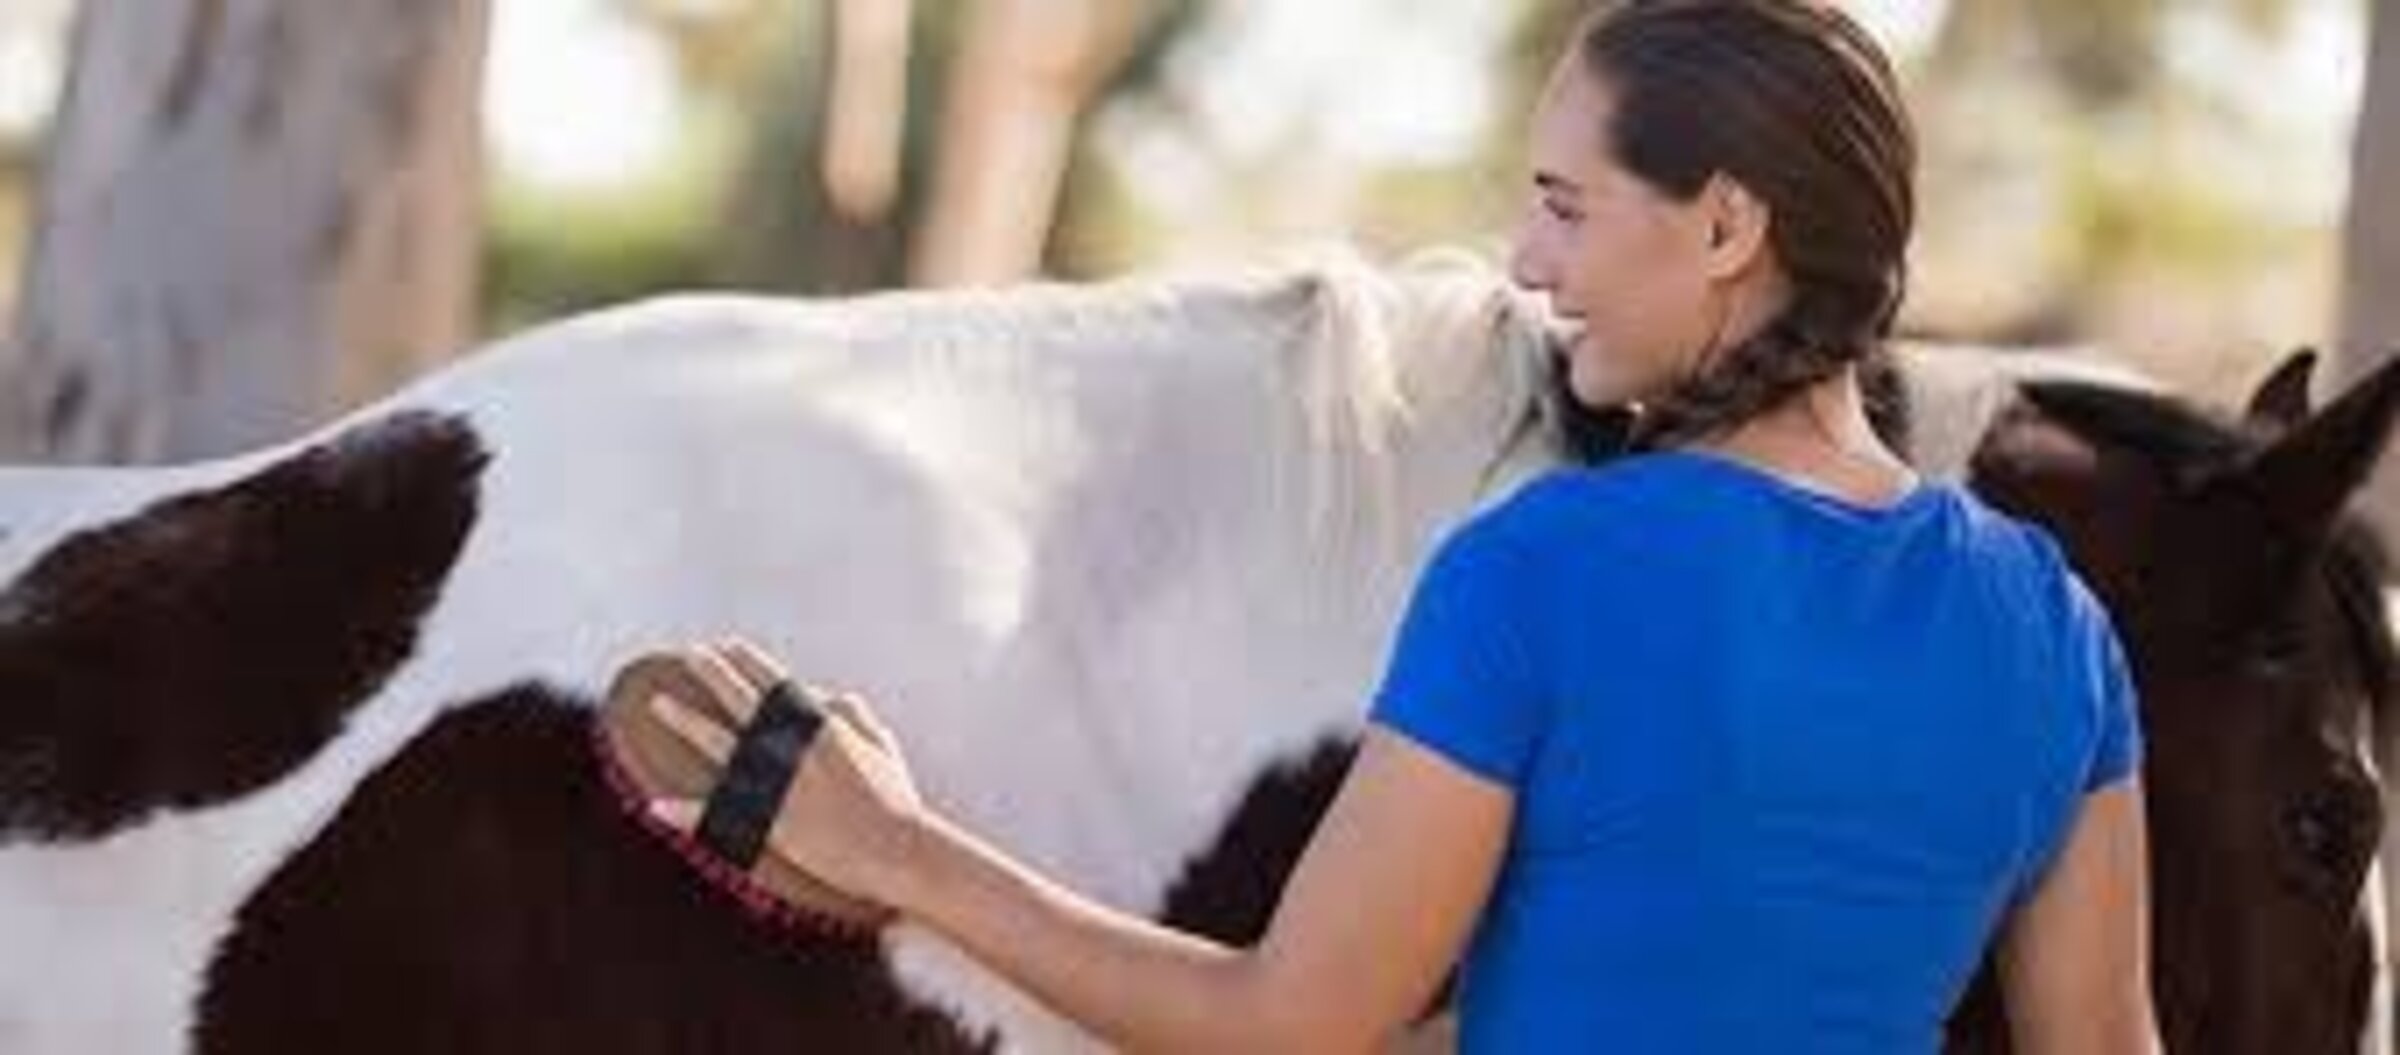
x=1820, y=439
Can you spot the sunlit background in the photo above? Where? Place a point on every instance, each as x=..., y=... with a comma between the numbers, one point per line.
x=2164, y=178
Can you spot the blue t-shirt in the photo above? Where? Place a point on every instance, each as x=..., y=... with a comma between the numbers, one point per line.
x=1781, y=763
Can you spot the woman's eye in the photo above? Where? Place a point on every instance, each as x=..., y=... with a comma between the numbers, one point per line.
x=1563, y=212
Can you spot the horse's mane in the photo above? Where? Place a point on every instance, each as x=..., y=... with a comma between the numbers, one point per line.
x=1369, y=360
x=2190, y=443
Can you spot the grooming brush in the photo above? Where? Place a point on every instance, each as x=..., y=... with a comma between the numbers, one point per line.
x=642, y=760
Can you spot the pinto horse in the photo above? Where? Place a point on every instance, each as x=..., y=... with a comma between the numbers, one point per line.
x=294, y=745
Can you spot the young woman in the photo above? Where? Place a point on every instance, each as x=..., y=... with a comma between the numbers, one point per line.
x=1751, y=741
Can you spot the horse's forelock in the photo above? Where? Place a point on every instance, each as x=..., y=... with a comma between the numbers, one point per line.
x=2358, y=567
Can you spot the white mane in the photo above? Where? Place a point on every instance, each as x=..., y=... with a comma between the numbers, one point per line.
x=1387, y=351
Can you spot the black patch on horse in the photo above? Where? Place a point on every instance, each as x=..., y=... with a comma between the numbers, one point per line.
x=209, y=644
x=484, y=892
x=1228, y=891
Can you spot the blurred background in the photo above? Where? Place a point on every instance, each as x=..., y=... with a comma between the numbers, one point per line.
x=333, y=195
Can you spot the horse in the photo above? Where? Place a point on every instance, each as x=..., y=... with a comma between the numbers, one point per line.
x=294, y=746
x=2253, y=613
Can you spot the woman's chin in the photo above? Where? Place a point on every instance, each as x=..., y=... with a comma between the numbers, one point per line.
x=1593, y=387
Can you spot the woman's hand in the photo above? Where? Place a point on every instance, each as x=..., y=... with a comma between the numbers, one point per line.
x=852, y=811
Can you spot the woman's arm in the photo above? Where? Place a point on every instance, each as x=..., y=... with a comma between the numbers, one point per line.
x=2075, y=958
x=1375, y=915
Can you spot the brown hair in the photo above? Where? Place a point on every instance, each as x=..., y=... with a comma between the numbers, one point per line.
x=1791, y=99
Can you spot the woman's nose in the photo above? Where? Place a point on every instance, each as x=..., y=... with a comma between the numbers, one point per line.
x=1524, y=266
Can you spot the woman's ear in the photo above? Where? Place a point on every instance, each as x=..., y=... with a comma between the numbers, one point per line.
x=1735, y=227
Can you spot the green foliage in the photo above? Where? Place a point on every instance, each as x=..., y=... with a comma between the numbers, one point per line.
x=547, y=254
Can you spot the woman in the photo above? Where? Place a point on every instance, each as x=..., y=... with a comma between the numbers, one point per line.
x=1752, y=740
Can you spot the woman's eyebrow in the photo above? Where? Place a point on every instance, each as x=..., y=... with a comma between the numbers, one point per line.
x=1557, y=184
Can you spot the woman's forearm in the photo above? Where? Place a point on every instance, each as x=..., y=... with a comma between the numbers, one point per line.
x=1134, y=983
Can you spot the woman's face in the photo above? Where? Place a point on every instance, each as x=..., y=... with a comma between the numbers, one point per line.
x=1613, y=253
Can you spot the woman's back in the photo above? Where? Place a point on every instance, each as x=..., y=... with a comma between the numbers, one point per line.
x=1781, y=761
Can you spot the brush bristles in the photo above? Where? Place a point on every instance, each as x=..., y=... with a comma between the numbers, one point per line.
x=751, y=896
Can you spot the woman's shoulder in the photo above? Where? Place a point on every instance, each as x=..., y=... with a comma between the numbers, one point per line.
x=2015, y=544
x=1574, y=500
x=1585, y=515
x=1637, y=500
x=1642, y=483
x=2035, y=576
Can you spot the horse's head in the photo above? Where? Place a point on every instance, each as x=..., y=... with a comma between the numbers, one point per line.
x=2251, y=609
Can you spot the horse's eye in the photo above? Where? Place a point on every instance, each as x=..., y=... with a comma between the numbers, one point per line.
x=2317, y=835
x=2326, y=834
x=2282, y=645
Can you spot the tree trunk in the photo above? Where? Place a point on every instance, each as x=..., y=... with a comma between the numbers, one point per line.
x=2371, y=258
x=854, y=183
x=255, y=212
x=2371, y=264
x=784, y=227
x=1028, y=70
x=2370, y=332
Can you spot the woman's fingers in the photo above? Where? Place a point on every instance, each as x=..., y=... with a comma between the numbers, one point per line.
x=732, y=693
x=852, y=709
x=713, y=741
x=753, y=664
x=763, y=673
x=735, y=675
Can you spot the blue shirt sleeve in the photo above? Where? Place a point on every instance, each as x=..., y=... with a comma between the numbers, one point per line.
x=2118, y=751
x=2095, y=676
x=1463, y=676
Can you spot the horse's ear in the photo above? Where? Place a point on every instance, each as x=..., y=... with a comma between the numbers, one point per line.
x=2308, y=474
x=2281, y=402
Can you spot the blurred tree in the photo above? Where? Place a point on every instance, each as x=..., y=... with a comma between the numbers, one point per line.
x=855, y=182
x=1017, y=95
x=254, y=212
x=2371, y=261
x=716, y=42
x=2104, y=53
x=2072, y=111
x=2371, y=267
